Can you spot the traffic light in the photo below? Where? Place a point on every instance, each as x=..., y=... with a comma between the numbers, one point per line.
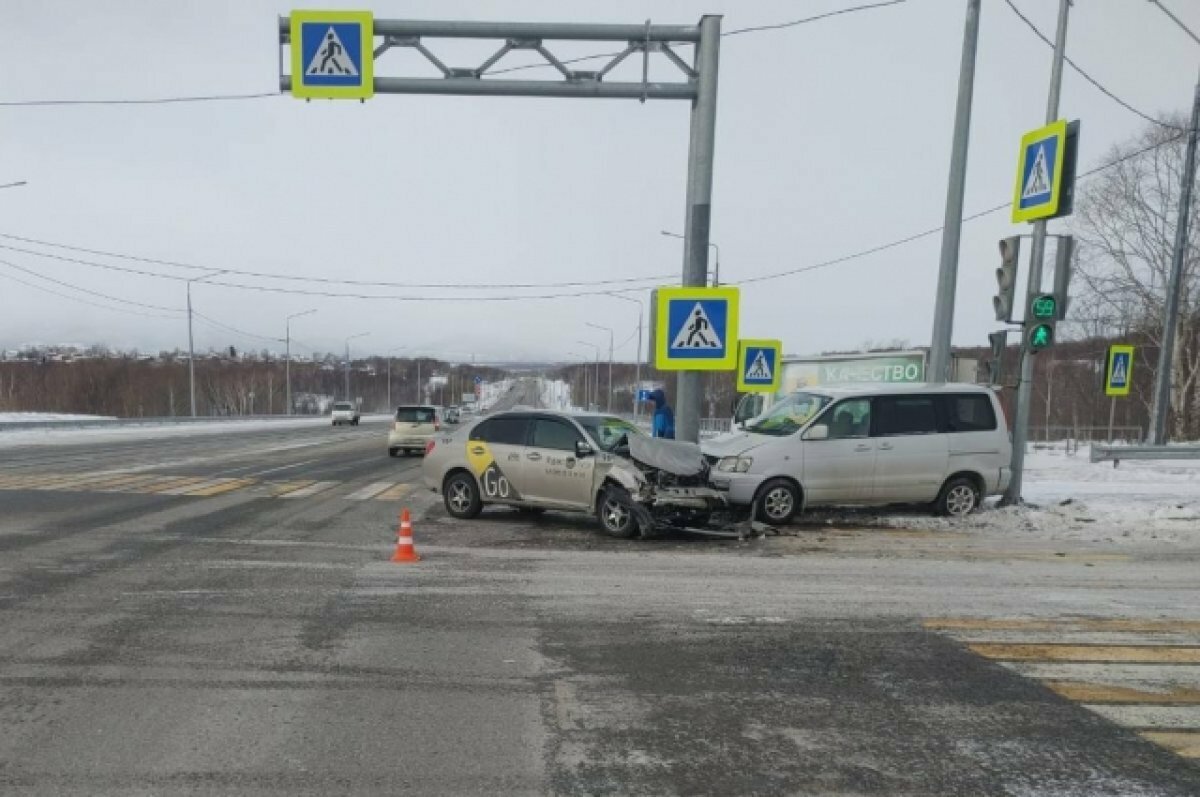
x=999, y=341
x=1063, y=260
x=1042, y=317
x=1006, y=278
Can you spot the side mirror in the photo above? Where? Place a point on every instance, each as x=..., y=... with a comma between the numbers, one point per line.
x=582, y=449
x=818, y=432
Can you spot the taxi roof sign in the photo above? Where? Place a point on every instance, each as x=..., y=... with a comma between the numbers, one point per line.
x=333, y=55
x=759, y=366
x=1118, y=376
x=1038, y=190
x=696, y=329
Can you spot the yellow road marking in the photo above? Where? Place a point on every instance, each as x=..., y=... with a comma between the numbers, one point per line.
x=1154, y=654
x=1184, y=743
x=394, y=493
x=1084, y=692
x=133, y=485
x=1081, y=624
x=228, y=485
x=283, y=488
x=105, y=482
x=178, y=481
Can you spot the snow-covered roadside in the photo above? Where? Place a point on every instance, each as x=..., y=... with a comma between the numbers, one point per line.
x=152, y=431
x=1069, y=498
x=27, y=417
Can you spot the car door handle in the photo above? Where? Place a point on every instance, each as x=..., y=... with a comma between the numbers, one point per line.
x=862, y=447
x=533, y=456
x=885, y=446
x=477, y=450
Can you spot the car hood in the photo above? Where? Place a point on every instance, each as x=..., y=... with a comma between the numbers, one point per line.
x=734, y=444
x=673, y=456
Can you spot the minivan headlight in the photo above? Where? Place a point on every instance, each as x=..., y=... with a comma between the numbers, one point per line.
x=734, y=464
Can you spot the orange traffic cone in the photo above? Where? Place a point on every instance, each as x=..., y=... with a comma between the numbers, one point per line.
x=405, y=552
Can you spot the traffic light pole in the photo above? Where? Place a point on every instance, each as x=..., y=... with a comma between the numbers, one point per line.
x=1020, y=434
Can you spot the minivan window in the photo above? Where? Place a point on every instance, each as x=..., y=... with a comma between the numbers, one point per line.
x=343, y=405
x=415, y=415
x=788, y=415
x=503, y=431
x=851, y=418
x=969, y=412
x=554, y=434
x=898, y=415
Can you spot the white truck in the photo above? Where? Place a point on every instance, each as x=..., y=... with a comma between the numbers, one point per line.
x=903, y=366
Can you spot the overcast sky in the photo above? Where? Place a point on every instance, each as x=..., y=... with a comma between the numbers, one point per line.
x=832, y=137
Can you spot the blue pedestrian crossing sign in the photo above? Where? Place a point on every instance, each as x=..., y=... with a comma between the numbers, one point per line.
x=332, y=55
x=759, y=366
x=697, y=329
x=1118, y=377
x=1039, y=173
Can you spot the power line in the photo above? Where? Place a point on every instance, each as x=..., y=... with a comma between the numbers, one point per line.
x=1088, y=77
x=1176, y=20
x=328, y=280
x=141, y=101
x=235, y=330
x=81, y=300
x=89, y=291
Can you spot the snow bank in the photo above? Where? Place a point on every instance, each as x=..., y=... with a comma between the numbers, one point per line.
x=160, y=429
x=27, y=417
x=1069, y=498
x=555, y=394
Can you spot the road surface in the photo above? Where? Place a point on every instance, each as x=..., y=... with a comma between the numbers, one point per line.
x=217, y=615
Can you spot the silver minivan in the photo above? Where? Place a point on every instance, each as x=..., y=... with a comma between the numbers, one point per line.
x=944, y=445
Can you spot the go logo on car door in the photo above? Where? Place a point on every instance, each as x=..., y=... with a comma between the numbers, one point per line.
x=492, y=481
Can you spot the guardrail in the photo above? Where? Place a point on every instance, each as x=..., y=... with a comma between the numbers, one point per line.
x=116, y=423
x=1115, y=454
x=711, y=427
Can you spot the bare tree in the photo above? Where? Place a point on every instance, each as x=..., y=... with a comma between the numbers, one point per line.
x=1126, y=227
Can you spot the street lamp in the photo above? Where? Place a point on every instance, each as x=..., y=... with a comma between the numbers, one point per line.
x=596, y=381
x=389, y=379
x=717, y=249
x=637, y=379
x=191, y=347
x=607, y=401
x=352, y=337
x=287, y=363
x=584, y=370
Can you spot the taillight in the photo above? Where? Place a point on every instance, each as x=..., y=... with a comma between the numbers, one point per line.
x=437, y=426
x=429, y=447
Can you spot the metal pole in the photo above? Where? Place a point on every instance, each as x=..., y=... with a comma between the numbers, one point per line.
x=287, y=367
x=347, y=370
x=191, y=354
x=637, y=379
x=1112, y=416
x=697, y=224
x=389, y=388
x=419, y=380
x=1162, y=382
x=1038, y=251
x=943, y=311
x=608, y=401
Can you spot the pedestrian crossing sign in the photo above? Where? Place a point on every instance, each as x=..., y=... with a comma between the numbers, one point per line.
x=759, y=366
x=696, y=329
x=1040, y=173
x=1118, y=377
x=332, y=55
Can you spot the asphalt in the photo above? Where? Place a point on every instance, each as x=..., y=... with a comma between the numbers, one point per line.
x=247, y=642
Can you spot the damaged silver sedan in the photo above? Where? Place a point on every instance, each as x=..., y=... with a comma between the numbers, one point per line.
x=538, y=460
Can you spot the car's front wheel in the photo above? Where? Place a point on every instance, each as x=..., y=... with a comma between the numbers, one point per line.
x=615, y=512
x=777, y=502
x=461, y=496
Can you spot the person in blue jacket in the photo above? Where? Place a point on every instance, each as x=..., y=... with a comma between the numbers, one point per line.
x=663, y=424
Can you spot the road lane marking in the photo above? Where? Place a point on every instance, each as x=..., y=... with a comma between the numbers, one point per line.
x=1150, y=654
x=1085, y=692
x=395, y=493
x=229, y=485
x=312, y=489
x=279, y=489
x=370, y=491
x=283, y=467
x=1184, y=743
x=178, y=481
x=134, y=486
x=1083, y=624
x=186, y=488
x=1150, y=718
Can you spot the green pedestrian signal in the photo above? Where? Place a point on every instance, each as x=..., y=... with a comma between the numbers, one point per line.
x=1044, y=307
x=1040, y=337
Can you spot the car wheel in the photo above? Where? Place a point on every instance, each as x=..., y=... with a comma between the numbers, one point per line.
x=959, y=497
x=461, y=496
x=777, y=502
x=615, y=512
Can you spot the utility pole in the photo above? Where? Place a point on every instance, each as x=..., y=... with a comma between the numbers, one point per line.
x=1162, y=382
x=1025, y=384
x=689, y=393
x=943, y=310
x=287, y=364
x=637, y=379
x=191, y=347
x=608, y=401
x=352, y=337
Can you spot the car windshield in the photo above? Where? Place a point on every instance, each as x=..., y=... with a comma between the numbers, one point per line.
x=608, y=432
x=415, y=414
x=788, y=415
x=343, y=405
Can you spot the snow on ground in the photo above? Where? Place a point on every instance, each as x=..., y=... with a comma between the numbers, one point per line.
x=159, y=429
x=26, y=417
x=490, y=392
x=555, y=394
x=1069, y=498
